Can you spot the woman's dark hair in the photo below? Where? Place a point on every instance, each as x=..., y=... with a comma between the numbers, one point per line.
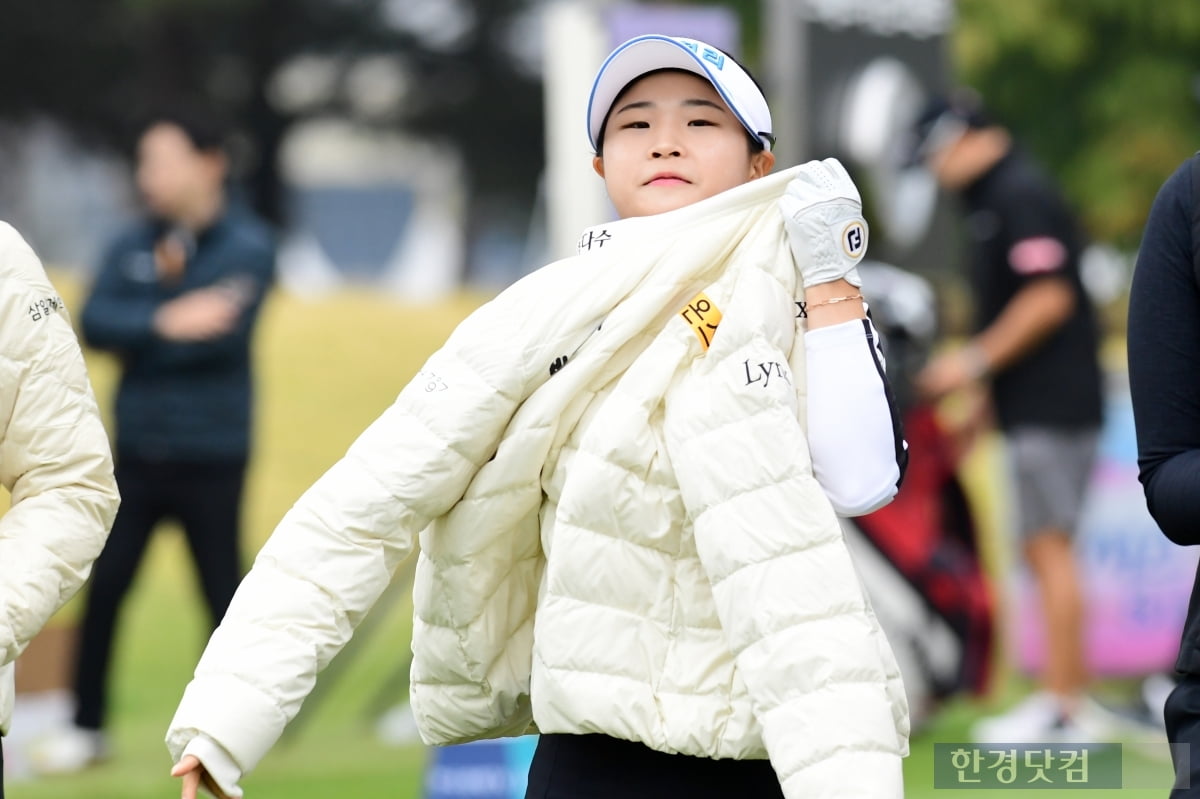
x=756, y=144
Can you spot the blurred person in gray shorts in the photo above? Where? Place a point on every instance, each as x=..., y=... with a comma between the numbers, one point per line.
x=1050, y=470
x=1031, y=360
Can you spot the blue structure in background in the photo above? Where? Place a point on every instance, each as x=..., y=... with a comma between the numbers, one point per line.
x=493, y=769
x=359, y=228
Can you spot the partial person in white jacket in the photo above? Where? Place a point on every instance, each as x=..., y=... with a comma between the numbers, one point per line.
x=55, y=459
x=632, y=461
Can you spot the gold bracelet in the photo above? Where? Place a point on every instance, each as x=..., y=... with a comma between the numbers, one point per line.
x=833, y=301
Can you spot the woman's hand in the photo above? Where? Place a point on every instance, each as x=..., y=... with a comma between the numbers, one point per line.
x=194, y=775
x=951, y=372
x=822, y=214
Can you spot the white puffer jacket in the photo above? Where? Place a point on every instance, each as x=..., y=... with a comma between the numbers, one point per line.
x=625, y=534
x=54, y=458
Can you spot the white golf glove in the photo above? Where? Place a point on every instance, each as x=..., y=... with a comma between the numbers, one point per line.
x=822, y=213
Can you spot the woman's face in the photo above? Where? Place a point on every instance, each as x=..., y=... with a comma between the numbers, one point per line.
x=670, y=141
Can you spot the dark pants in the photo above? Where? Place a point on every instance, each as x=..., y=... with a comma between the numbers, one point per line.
x=600, y=767
x=1182, y=715
x=205, y=498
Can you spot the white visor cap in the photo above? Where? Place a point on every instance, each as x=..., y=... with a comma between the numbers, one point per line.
x=644, y=54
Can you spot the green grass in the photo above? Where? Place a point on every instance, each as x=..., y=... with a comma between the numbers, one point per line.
x=332, y=753
x=327, y=369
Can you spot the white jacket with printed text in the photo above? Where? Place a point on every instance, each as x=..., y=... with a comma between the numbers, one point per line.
x=619, y=524
x=55, y=459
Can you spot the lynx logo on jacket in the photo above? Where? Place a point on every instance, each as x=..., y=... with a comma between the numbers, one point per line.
x=762, y=373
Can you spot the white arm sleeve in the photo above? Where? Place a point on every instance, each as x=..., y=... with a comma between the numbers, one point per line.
x=854, y=432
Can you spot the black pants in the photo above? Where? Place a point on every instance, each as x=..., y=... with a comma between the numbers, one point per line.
x=1182, y=715
x=601, y=767
x=205, y=498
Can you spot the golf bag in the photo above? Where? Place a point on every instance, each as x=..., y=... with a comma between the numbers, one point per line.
x=918, y=556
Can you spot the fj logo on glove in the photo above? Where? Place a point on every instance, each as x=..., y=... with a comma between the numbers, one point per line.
x=558, y=364
x=854, y=239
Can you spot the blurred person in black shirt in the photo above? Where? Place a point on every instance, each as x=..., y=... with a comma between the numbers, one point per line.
x=1032, y=358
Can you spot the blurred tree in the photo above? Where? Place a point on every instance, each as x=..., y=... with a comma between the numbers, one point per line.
x=95, y=65
x=1104, y=92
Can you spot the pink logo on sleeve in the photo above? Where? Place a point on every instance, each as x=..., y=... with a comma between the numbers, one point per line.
x=1037, y=255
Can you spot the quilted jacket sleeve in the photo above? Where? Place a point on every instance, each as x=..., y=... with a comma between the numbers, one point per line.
x=332, y=556
x=786, y=592
x=54, y=454
x=335, y=551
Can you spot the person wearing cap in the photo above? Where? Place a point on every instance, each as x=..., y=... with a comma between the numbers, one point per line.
x=626, y=497
x=1033, y=354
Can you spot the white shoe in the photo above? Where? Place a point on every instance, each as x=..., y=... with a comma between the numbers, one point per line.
x=1096, y=723
x=1133, y=727
x=1155, y=690
x=67, y=750
x=1042, y=718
